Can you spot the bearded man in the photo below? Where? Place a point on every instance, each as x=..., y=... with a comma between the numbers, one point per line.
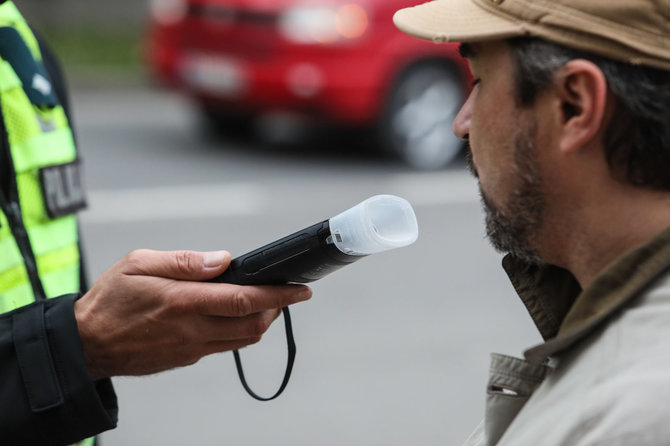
x=568, y=125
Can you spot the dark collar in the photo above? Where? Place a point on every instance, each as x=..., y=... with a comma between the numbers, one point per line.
x=564, y=313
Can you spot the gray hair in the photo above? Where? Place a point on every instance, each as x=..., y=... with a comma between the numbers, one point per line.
x=637, y=139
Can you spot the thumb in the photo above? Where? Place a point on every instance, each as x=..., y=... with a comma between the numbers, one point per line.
x=181, y=265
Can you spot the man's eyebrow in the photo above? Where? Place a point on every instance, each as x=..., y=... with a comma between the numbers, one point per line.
x=466, y=50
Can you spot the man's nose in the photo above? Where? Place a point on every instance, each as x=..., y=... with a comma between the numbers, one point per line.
x=461, y=126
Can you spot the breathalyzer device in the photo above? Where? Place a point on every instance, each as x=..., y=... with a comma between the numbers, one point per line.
x=380, y=223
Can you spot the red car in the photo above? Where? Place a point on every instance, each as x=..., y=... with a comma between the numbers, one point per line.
x=338, y=61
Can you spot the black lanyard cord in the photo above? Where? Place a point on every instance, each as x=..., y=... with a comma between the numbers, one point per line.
x=290, y=342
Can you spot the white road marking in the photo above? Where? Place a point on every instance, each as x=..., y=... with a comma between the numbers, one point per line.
x=437, y=188
x=247, y=199
x=132, y=205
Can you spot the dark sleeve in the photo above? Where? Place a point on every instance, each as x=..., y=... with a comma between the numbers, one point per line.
x=47, y=396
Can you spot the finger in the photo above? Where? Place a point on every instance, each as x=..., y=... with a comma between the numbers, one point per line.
x=213, y=328
x=216, y=299
x=181, y=265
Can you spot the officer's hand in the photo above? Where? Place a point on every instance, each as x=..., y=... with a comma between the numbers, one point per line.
x=150, y=312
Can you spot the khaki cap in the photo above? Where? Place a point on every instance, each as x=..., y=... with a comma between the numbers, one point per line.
x=634, y=31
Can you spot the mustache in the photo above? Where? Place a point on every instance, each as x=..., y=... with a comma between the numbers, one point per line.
x=469, y=161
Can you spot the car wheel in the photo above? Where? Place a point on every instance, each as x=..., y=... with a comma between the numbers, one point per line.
x=224, y=122
x=417, y=123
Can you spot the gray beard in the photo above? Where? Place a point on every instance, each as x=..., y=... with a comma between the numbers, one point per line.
x=513, y=229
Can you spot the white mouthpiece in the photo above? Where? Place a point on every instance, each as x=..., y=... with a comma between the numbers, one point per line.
x=377, y=224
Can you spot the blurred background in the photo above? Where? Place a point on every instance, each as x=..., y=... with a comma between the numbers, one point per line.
x=225, y=124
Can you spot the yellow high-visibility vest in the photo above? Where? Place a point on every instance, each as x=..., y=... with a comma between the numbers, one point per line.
x=39, y=250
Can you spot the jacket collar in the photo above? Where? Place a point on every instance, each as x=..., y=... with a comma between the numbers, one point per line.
x=564, y=313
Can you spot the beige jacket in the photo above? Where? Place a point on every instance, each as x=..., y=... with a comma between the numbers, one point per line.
x=603, y=375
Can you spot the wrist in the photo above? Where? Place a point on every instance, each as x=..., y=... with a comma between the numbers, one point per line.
x=88, y=339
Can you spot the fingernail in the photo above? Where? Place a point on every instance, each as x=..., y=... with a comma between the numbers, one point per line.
x=214, y=259
x=305, y=293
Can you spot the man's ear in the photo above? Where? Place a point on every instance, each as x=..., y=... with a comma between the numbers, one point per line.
x=582, y=91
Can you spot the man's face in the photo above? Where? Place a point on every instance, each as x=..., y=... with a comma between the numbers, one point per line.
x=503, y=153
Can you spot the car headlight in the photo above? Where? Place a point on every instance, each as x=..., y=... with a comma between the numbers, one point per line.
x=168, y=12
x=323, y=24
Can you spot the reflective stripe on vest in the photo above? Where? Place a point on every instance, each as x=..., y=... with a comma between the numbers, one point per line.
x=39, y=136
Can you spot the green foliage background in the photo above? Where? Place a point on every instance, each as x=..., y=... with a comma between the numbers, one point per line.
x=118, y=49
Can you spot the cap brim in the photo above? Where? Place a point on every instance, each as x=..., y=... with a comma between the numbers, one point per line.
x=455, y=21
